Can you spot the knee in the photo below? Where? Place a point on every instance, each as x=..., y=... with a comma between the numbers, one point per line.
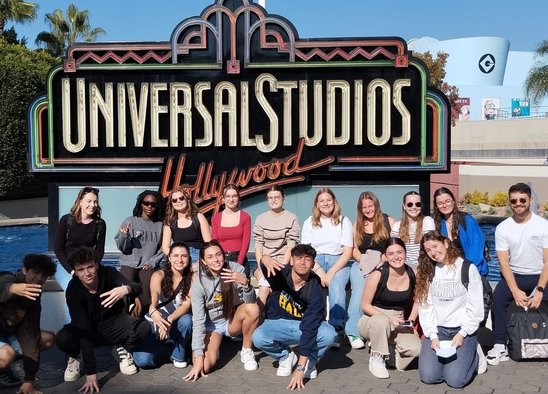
x=7, y=356
x=47, y=340
x=379, y=323
x=252, y=311
x=456, y=381
x=67, y=341
x=261, y=339
x=144, y=359
x=143, y=329
x=326, y=335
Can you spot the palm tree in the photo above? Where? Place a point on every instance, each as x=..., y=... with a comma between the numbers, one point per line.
x=67, y=30
x=16, y=10
x=536, y=83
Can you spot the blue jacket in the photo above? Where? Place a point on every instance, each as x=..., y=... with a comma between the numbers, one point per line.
x=307, y=305
x=472, y=241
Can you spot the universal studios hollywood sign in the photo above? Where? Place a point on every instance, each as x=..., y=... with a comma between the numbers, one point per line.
x=235, y=96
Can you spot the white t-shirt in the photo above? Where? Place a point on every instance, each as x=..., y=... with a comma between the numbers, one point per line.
x=524, y=242
x=412, y=248
x=328, y=239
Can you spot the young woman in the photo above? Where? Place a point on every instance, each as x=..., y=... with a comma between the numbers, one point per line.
x=169, y=311
x=461, y=228
x=275, y=232
x=223, y=304
x=232, y=227
x=371, y=230
x=183, y=223
x=390, y=312
x=330, y=234
x=140, y=239
x=83, y=226
x=412, y=226
x=448, y=311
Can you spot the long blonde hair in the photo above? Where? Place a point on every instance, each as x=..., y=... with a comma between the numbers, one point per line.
x=316, y=214
x=76, y=209
x=403, y=232
x=380, y=231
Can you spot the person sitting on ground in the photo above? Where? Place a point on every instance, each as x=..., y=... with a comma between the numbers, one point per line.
x=20, y=309
x=521, y=242
x=448, y=311
x=295, y=314
x=95, y=302
x=223, y=304
x=390, y=311
x=169, y=311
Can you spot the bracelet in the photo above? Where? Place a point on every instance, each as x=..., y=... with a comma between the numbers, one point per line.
x=151, y=313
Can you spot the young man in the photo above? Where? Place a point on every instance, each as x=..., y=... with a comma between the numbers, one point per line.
x=20, y=320
x=522, y=249
x=295, y=314
x=95, y=302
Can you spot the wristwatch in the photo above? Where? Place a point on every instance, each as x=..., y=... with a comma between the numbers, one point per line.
x=540, y=289
x=300, y=368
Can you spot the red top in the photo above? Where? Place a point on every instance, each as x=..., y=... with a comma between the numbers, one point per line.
x=233, y=239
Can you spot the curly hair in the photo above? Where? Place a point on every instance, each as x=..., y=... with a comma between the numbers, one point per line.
x=379, y=230
x=76, y=209
x=426, y=268
x=316, y=214
x=158, y=214
x=171, y=213
x=403, y=232
x=227, y=289
x=167, y=281
x=458, y=217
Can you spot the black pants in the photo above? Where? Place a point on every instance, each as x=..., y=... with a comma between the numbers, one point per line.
x=123, y=330
x=141, y=276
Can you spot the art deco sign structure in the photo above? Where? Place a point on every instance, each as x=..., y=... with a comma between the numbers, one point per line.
x=236, y=96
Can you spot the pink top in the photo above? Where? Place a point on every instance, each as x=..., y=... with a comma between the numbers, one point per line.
x=233, y=239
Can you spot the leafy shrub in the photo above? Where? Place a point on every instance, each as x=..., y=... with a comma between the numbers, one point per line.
x=476, y=197
x=499, y=199
x=546, y=206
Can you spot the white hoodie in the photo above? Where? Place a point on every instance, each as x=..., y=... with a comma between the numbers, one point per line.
x=449, y=304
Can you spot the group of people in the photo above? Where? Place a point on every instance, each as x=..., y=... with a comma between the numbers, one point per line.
x=416, y=286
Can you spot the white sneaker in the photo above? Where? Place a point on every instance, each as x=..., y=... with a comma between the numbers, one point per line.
x=286, y=366
x=248, y=359
x=180, y=364
x=377, y=367
x=482, y=363
x=125, y=360
x=72, y=372
x=310, y=371
x=498, y=354
x=356, y=342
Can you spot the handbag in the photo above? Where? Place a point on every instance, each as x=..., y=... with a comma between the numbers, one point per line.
x=528, y=333
x=369, y=261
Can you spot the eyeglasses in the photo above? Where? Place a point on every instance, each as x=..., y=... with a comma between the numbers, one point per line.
x=179, y=199
x=514, y=201
x=231, y=197
x=273, y=198
x=417, y=204
x=446, y=202
x=149, y=204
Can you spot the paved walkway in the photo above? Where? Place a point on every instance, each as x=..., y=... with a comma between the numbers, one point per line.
x=341, y=371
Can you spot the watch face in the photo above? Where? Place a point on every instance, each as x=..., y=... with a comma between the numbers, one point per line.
x=541, y=289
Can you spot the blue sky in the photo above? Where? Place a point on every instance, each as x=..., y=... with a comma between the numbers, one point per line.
x=523, y=24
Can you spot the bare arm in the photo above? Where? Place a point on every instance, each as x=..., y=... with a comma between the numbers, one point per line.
x=166, y=240
x=204, y=227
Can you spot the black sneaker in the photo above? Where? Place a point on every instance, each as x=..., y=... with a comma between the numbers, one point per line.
x=8, y=378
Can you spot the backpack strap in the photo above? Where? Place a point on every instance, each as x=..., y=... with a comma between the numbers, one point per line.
x=384, y=270
x=465, y=273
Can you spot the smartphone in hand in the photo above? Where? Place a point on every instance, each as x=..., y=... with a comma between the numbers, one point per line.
x=406, y=323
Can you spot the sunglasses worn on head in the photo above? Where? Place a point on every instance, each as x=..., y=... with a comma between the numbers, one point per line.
x=89, y=189
x=149, y=204
x=180, y=199
x=514, y=201
x=417, y=204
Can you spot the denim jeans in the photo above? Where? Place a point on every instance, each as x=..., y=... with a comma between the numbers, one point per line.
x=146, y=354
x=357, y=283
x=456, y=371
x=275, y=336
x=337, y=289
x=63, y=278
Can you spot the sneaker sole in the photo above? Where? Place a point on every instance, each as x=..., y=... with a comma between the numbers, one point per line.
x=71, y=378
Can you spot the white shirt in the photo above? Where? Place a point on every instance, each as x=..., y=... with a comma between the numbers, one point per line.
x=328, y=239
x=524, y=242
x=449, y=304
x=411, y=247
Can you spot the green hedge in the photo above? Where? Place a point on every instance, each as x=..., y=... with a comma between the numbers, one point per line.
x=22, y=77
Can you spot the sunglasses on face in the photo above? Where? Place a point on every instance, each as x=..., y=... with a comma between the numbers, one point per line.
x=417, y=204
x=149, y=204
x=180, y=199
x=514, y=201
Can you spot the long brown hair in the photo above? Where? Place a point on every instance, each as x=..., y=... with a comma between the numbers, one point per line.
x=316, y=214
x=426, y=268
x=458, y=216
x=379, y=229
x=227, y=289
x=76, y=209
x=403, y=232
x=171, y=213
x=167, y=280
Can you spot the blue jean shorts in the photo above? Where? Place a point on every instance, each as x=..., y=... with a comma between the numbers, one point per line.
x=220, y=327
x=12, y=341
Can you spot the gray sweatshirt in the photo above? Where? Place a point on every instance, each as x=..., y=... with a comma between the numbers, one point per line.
x=142, y=244
x=207, y=304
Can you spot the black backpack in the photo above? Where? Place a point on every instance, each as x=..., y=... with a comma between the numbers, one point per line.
x=487, y=289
